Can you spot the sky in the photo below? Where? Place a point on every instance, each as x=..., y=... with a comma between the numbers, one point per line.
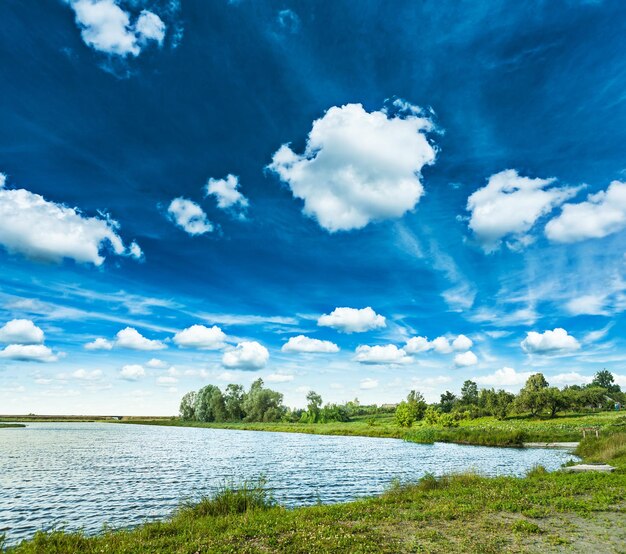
x=356, y=198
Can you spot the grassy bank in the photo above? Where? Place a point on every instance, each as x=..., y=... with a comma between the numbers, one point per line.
x=10, y=425
x=486, y=431
x=543, y=512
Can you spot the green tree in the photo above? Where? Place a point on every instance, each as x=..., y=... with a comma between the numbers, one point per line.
x=604, y=379
x=314, y=405
x=209, y=404
x=404, y=416
x=333, y=412
x=187, y=406
x=233, y=402
x=554, y=400
x=432, y=414
x=469, y=393
x=500, y=403
x=530, y=398
x=261, y=404
x=593, y=397
x=417, y=404
x=536, y=382
x=448, y=400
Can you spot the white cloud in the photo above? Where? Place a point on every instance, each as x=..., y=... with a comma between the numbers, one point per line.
x=589, y=304
x=248, y=355
x=42, y=230
x=352, y=320
x=620, y=379
x=149, y=26
x=157, y=364
x=462, y=343
x=602, y=214
x=509, y=205
x=465, y=359
x=309, y=345
x=132, y=372
x=28, y=353
x=21, y=331
x=387, y=354
x=358, y=167
x=226, y=193
x=415, y=345
x=549, y=342
x=132, y=339
x=442, y=345
x=505, y=377
x=279, y=378
x=86, y=375
x=369, y=383
x=571, y=378
x=189, y=216
x=3, y=180
x=99, y=344
x=106, y=27
x=199, y=336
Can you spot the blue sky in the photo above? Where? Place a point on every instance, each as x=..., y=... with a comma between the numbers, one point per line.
x=356, y=198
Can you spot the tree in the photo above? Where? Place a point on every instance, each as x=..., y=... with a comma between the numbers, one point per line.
x=233, y=402
x=417, y=404
x=593, y=397
x=334, y=412
x=261, y=404
x=530, y=398
x=209, y=404
x=447, y=401
x=187, y=403
x=432, y=415
x=536, y=382
x=499, y=403
x=604, y=379
x=314, y=406
x=404, y=416
x=469, y=393
x=554, y=400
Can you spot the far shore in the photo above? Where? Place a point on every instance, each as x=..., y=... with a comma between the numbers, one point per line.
x=516, y=431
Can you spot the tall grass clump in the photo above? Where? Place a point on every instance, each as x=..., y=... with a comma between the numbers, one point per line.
x=231, y=499
x=603, y=449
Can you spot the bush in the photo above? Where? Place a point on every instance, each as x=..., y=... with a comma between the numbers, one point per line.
x=404, y=415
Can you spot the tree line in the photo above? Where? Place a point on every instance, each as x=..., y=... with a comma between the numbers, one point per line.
x=537, y=397
x=260, y=404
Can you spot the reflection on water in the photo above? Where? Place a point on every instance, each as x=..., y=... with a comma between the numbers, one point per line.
x=83, y=475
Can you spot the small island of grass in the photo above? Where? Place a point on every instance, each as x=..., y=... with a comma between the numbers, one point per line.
x=10, y=425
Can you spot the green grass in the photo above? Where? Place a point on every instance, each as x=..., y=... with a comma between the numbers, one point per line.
x=543, y=512
x=10, y=425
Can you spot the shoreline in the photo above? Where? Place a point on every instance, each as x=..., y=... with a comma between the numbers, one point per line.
x=564, y=431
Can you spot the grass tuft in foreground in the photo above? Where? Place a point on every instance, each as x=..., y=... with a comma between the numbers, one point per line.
x=231, y=499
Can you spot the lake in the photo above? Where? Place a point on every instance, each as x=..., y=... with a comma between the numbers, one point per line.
x=83, y=475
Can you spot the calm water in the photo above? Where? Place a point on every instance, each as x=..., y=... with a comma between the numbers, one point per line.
x=87, y=474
